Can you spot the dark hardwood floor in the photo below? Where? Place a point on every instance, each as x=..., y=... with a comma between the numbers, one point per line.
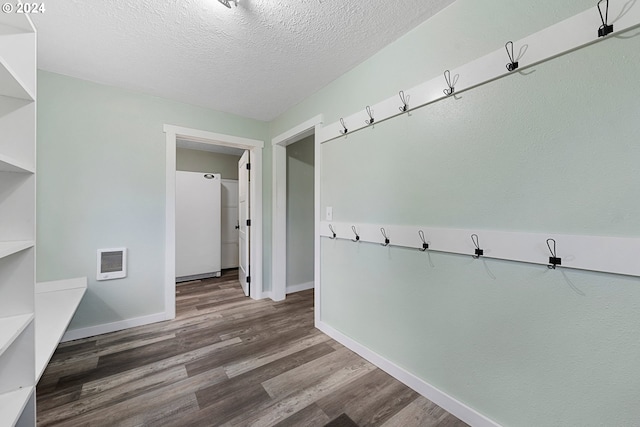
x=225, y=360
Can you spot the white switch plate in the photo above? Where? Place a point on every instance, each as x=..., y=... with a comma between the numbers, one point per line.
x=329, y=213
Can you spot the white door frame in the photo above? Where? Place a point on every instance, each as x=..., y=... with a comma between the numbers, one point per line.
x=204, y=137
x=279, y=234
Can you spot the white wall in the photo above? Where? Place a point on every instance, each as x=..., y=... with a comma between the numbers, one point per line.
x=101, y=183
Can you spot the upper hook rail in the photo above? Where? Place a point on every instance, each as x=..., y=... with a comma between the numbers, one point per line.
x=553, y=259
x=513, y=64
x=386, y=238
x=370, y=114
x=425, y=245
x=405, y=101
x=344, y=129
x=353, y=227
x=605, y=28
x=332, y=232
x=479, y=252
x=447, y=78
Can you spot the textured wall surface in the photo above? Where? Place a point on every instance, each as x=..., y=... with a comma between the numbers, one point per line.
x=522, y=344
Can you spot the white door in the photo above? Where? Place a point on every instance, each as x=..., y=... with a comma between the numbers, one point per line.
x=244, y=236
x=230, y=225
x=197, y=225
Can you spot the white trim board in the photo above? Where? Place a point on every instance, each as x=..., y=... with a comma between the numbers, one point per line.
x=440, y=398
x=616, y=255
x=571, y=34
x=91, y=331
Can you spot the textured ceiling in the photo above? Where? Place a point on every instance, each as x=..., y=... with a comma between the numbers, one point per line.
x=255, y=60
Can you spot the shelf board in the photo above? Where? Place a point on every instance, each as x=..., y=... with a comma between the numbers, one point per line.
x=12, y=404
x=9, y=164
x=11, y=85
x=10, y=248
x=19, y=21
x=11, y=328
x=56, y=303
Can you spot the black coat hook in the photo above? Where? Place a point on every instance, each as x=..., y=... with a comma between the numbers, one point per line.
x=332, y=232
x=344, y=130
x=476, y=242
x=605, y=28
x=353, y=227
x=425, y=245
x=553, y=259
x=513, y=64
x=447, y=78
x=405, y=101
x=370, y=114
x=386, y=238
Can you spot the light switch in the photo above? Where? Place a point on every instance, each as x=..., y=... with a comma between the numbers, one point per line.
x=329, y=213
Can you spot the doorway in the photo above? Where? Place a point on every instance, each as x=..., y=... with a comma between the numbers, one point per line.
x=300, y=232
x=279, y=241
x=207, y=225
x=199, y=139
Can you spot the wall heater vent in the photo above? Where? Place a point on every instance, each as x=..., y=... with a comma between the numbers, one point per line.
x=112, y=264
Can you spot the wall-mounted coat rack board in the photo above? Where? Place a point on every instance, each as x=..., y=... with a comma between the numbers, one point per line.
x=580, y=30
x=618, y=255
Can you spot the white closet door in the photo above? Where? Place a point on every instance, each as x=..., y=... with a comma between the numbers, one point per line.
x=243, y=217
x=197, y=225
x=230, y=224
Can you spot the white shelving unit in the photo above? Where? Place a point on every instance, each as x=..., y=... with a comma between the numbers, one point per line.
x=33, y=317
x=17, y=219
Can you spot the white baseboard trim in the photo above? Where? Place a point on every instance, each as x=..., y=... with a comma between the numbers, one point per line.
x=91, y=331
x=300, y=287
x=440, y=398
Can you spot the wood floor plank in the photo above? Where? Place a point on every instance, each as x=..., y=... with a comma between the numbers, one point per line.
x=114, y=395
x=256, y=377
x=52, y=374
x=143, y=406
x=311, y=416
x=252, y=345
x=252, y=362
x=370, y=400
x=169, y=415
x=297, y=399
x=122, y=378
x=415, y=414
x=95, y=352
x=225, y=360
x=314, y=372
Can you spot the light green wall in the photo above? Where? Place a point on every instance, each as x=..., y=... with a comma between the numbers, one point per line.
x=464, y=31
x=101, y=184
x=300, y=218
x=205, y=161
x=553, y=149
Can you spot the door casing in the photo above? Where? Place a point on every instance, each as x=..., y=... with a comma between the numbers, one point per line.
x=205, y=137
